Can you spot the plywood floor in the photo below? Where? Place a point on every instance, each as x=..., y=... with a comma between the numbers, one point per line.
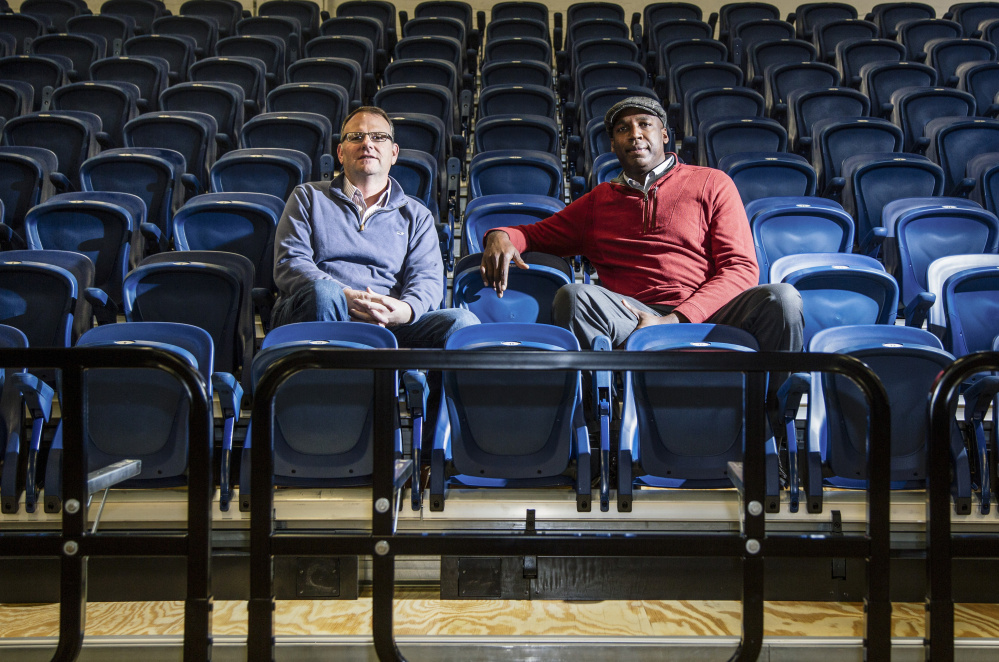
x=419, y=613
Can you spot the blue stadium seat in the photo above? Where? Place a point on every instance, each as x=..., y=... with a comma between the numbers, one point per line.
x=25, y=180
x=982, y=170
x=549, y=445
x=272, y=170
x=42, y=291
x=716, y=102
x=914, y=34
x=529, y=294
x=981, y=80
x=70, y=134
x=887, y=16
x=807, y=106
x=309, y=133
x=836, y=139
x=880, y=79
x=673, y=433
x=945, y=55
x=115, y=103
x=954, y=141
x=178, y=50
x=838, y=289
x=223, y=101
x=141, y=12
x=151, y=74
x=202, y=29
x=851, y=56
x=833, y=33
x=270, y=50
x=808, y=16
x=191, y=133
x=765, y=54
x=493, y=211
x=250, y=73
x=907, y=361
x=796, y=225
x=515, y=172
x=914, y=107
x=722, y=136
x=768, y=174
x=38, y=71
x=782, y=79
x=82, y=50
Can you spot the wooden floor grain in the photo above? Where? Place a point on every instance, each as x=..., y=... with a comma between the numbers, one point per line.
x=424, y=615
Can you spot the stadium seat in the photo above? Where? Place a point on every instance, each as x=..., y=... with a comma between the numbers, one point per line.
x=272, y=170
x=768, y=174
x=529, y=294
x=191, y=133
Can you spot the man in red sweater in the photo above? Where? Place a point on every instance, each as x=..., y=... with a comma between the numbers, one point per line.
x=670, y=243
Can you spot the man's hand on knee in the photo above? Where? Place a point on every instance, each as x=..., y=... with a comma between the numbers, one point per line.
x=499, y=251
x=651, y=319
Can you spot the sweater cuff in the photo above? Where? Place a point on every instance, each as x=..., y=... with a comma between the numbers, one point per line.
x=517, y=238
x=418, y=307
x=693, y=314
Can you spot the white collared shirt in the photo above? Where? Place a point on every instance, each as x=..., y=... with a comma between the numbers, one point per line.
x=357, y=197
x=651, y=176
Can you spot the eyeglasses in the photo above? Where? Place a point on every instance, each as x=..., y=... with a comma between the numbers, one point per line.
x=358, y=136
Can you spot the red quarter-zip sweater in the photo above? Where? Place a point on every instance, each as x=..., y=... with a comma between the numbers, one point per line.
x=685, y=244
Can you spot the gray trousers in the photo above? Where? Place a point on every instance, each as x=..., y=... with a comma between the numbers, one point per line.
x=771, y=313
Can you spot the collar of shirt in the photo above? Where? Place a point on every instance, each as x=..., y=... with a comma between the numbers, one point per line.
x=357, y=197
x=651, y=176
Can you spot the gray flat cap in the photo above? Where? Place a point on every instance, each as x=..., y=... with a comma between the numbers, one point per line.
x=639, y=103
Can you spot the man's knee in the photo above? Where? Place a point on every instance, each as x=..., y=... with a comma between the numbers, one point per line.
x=455, y=319
x=566, y=302
x=317, y=301
x=787, y=299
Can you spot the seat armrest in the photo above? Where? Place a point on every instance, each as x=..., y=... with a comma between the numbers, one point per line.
x=105, y=310
x=36, y=393
x=917, y=310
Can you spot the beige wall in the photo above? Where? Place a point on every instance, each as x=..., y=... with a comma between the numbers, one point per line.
x=629, y=7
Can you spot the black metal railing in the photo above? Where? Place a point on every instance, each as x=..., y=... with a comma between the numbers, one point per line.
x=751, y=544
x=74, y=544
x=942, y=547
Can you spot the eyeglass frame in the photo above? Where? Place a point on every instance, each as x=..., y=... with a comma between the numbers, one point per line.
x=360, y=135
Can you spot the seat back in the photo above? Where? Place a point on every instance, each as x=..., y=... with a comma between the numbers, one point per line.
x=485, y=213
x=515, y=171
x=722, y=136
x=141, y=12
x=907, y=361
x=915, y=33
x=836, y=139
x=36, y=70
x=24, y=181
x=811, y=15
x=805, y=107
x=517, y=100
x=938, y=322
x=309, y=133
x=327, y=99
x=101, y=225
x=37, y=298
x=888, y=16
x=983, y=169
x=202, y=29
x=835, y=32
x=971, y=303
x=852, y=55
x=191, y=133
x=207, y=289
x=153, y=174
x=223, y=14
x=178, y=50
x=529, y=294
x=517, y=131
x=22, y=27
x=873, y=180
x=981, y=80
x=673, y=434
x=223, y=101
x=517, y=48
x=142, y=413
x=764, y=54
x=782, y=79
x=250, y=73
x=546, y=407
x=796, y=225
x=267, y=170
x=241, y=223
x=306, y=13
x=879, y=80
x=955, y=140
x=838, y=289
x=82, y=50
x=766, y=174
x=69, y=134
x=913, y=108
x=338, y=71
x=945, y=55
x=114, y=102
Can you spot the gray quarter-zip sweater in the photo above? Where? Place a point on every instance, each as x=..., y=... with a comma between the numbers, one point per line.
x=320, y=236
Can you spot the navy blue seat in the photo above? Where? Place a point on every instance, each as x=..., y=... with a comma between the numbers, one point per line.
x=207, y=289
x=517, y=131
x=874, y=179
x=838, y=289
x=38, y=71
x=309, y=133
x=224, y=14
x=536, y=11
x=914, y=107
x=328, y=99
x=241, y=223
x=716, y=102
x=350, y=47
x=117, y=428
x=141, y=12
x=981, y=80
x=115, y=103
x=836, y=32
x=527, y=298
x=493, y=211
x=191, y=133
x=667, y=32
x=516, y=26
x=695, y=76
x=836, y=139
x=23, y=27
x=151, y=74
x=70, y=134
x=954, y=141
x=178, y=50
x=270, y=50
x=808, y=16
x=907, y=361
x=337, y=71
x=782, y=79
x=307, y=14
x=684, y=51
x=156, y=175
x=732, y=14
x=765, y=54
x=595, y=102
x=43, y=295
x=425, y=70
x=888, y=15
x=82, y=50
x=945, y=55
x=796, y=225
x=425, y=99
x=880, y=79
x=548, y=446
x=517, y=48
x=722, y=136
x=515, y=171
x=55, y=12
x=25, y=180
x=605, y=168
x=515, y=72
x=381, y=10
x=223, y=101
x=116, y=30
x=16, y=98
x=250, y=73
x=914, y=34
x=745, y=36
x=929, y=228
x=202, y=29
x=102, y=225
x=673, y=434
x=982, y=170
x=336, y=452
x=805, y=107
x=272, y=170
x=851, y=56
x=517, y=100
x=767, y=174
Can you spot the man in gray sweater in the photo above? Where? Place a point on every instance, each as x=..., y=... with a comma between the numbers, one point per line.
x=358, y=248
